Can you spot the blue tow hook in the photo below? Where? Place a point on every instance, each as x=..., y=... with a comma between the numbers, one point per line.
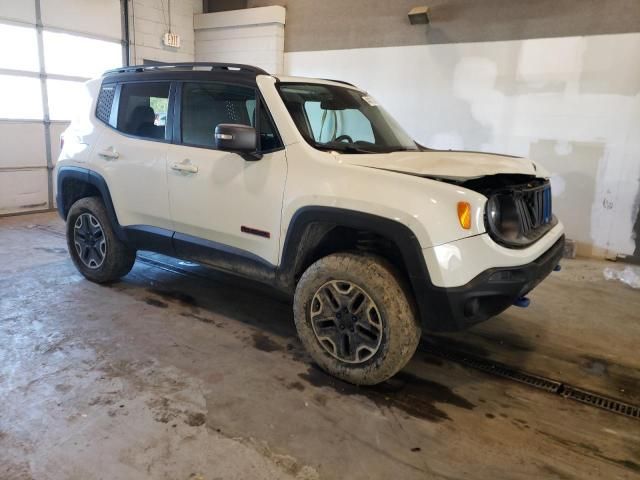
x=522, y=302
x=557, y=268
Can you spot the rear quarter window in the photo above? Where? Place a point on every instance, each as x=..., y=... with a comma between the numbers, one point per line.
x=105, y=103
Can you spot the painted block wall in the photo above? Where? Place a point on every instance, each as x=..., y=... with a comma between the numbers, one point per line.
x=571, y=103
x=253, y=36
x=148, y=20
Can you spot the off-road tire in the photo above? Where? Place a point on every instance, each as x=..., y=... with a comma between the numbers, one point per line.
x=383, y=284
x=118, y=260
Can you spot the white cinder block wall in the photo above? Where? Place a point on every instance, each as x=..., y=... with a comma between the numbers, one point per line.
x=149, y=21
x=254, y=36
x=571, y=103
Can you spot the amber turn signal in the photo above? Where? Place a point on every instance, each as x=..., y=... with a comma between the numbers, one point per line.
x=464, y=215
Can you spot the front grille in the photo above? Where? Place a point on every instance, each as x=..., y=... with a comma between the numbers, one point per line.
x=534, y=207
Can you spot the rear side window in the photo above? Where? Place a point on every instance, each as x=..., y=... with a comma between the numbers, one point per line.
x=143, y=109
x=105, y=102
x=206, y=105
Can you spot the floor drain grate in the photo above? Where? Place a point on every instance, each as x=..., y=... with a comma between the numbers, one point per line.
x=497, y=369
x=600, y=401
x=553, y=386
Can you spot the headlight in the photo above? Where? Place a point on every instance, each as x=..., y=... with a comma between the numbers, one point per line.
x=493, y=211
x=502, y=216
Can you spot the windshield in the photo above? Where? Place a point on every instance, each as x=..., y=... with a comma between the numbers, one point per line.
x=343, y=119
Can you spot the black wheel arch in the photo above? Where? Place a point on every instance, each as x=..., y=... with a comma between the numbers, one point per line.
x=74, y=183
x=311, y=226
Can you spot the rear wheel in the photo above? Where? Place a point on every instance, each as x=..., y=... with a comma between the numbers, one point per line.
x=355, y=317
x=94, y=248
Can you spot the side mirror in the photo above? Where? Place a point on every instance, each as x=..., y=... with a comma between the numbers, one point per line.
x=241, y=139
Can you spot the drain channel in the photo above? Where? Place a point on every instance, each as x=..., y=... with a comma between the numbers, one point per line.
x=542, y=383
x=494, y=368
x=477, y=363
x=600, y=401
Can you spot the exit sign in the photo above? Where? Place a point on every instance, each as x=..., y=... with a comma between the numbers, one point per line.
x=171, y=40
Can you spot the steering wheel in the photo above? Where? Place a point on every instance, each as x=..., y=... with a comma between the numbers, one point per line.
x=342, y=138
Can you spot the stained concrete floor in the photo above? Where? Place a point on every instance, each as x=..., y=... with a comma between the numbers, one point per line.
x=167, y=376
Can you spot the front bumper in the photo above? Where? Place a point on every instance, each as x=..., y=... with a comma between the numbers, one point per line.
x=486, y=295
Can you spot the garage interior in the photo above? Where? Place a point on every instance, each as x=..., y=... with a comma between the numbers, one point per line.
x=182, y=372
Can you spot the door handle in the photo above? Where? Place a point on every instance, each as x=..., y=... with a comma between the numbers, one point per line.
x=109, y=153
x=184, y=167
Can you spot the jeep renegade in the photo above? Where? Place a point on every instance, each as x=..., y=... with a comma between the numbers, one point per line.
x=310, y=186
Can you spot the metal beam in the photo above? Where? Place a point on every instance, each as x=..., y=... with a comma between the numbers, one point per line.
x=50, y=28
x=53, y=76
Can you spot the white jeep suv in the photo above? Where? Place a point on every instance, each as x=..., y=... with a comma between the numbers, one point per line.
x=310, y=186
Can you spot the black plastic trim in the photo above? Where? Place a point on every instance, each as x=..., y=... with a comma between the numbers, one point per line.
x=91, y=178
x=154, y=239
x=64, y=174
x=223, y=257
x=301, y=237
x=496, y=289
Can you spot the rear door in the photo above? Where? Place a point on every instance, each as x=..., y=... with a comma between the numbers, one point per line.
x=132, y=154
x=219, y=196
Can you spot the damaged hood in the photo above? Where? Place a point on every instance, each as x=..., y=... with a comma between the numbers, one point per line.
x=446, y=164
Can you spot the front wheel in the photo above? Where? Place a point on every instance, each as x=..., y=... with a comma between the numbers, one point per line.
x=94, y=247
x=355, y=318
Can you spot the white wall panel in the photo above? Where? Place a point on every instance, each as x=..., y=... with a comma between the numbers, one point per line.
x=22, y=145
x=96, y=17
x=23, y=190
x=571, y=103
x=56, y=130
x=253, y=36
x=19, y=10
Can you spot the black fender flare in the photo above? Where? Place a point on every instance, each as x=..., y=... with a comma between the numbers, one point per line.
x=301, y=236
x=89, y=177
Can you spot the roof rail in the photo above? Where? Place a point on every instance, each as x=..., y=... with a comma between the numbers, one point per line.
x=188, y=66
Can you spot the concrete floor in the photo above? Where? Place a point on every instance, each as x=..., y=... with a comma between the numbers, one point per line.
x=201, y=377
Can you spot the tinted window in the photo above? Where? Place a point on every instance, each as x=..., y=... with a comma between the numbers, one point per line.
x=143, y=109
x=206, y=105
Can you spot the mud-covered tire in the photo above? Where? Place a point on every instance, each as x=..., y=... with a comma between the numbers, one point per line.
x=378, y=279
x=118, y=258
